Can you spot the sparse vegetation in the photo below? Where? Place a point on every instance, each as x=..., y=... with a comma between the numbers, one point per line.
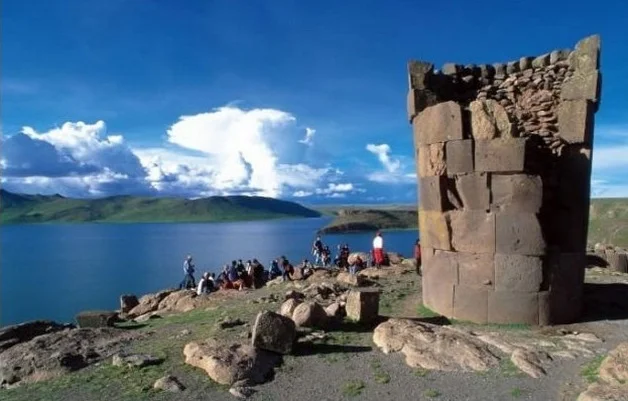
x=380, y=375
x=425, y=312
x=420, y=372
x=431, y=393
x=591, y=370
x=508, y=369
x=353, y=388
x=516, y=392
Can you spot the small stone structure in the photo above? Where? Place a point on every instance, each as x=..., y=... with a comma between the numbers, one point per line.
x=504, y=164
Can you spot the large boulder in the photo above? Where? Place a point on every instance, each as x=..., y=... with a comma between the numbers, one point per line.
x=605, y=392
x=51, y=355
x=273, y=332
x=135, y=360
x=394, y=258
x=227, y=364
x=353, y=256
x=309, y=314
x=614, y=368
x=179, y=301
x=363, y=305
x=149, y=303
x=169, y=383
x=128, y=302
x=288, y=307
x=19, y=333
x=95, y=319
x=434, y=347
x=355, y=280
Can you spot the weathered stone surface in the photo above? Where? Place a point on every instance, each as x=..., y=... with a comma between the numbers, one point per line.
x=435, y=229
x=334, y=311
x=459, y=156
x=179, y=301
x=559, y=55
x=450, y=69
x=500, y=69
x=149, y=303
x=128, y=302
x=440, y=273
x=96, y=319
x=575, y=120
x=273, y=332
x=473, y=190
x=309, y=314
x=489, y=120
x=500, y=155
x=433, y=193
x=432, y=160
x=518, y=233
x=434, y=347
x=473, y=231
x=355, y=280
x=614, y=368
x=354, y=255
x=512, y=67
x=584, y=86
x=605, y=392
x=525, y=63
x=508, y=307
x=23, y=332
x=169, y=383
x=586, y=56
x=438, y=123
x=617, y=260
x=419, y=73
x=528, y=362
x=541, y=61
x=471, y=304
x=227, y=364
x=363, y=305
x=518, y=273
x=476, y=269
x=135, y=360
x=517, y=192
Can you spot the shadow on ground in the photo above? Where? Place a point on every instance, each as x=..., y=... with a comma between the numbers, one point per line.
x=605, y=302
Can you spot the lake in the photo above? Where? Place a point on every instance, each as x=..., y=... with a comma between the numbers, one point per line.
x=54, y=271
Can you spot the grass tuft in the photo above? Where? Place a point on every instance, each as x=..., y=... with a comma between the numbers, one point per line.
x=431, y=393
x=516, y=392
x=353, y=388
x=591, y=370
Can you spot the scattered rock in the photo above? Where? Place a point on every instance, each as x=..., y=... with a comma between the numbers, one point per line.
x=241, y=391
x=128, y=302
x=528, y=362
x=226, y=364
x=292, y=294
x=149, y=303
x=334, y=311
x=273, y=332
x=135, y=360
x=229, y=322
x=146, y=317
x=96, y=319
x=185, y=332
x=288, y=307
x=614, y=368
x=363, y=305
x=312, y=336
x=19, y=333
x=434, y=347
x=355, y=280
x=353, y=256
x=605, y=392
x=179, y=301
x=169, y=383
x=395, y=258
x=309, y=314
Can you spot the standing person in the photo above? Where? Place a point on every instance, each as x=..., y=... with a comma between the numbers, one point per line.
x=317, y=250
x=188, y=270
x=417, y=256
x=288, y=269
x=275, y=271
x=378, y=250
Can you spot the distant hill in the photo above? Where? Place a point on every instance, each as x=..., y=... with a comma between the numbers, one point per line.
x=608, y=221
x=17, y=208
x=356, y=219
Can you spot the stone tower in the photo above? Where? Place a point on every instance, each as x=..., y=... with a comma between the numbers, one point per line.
x=504, y=164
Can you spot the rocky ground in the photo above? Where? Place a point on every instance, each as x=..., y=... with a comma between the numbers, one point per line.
x=414, y=355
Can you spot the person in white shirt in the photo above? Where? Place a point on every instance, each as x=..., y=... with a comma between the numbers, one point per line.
x=378, y=250
x=205, y=284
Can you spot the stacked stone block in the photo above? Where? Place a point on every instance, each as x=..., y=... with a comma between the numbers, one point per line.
x=504, y=163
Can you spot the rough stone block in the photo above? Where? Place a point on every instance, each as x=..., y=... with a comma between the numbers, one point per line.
x=438, y=123
x=512, y=67
x=586, y=56
x=128, y=302
x=517, y=192
x=471, y=304
x=575, y=120
x=476, y=270
x=519, y=233
x=459, y=156
x=508, y=307
x=581, y=86
x=559, y=55
x=438, y=294
x=525, y=63
x=435, y=229
x=541, y=61
x=451, y=69
x=363, y=305
x=433, y=193
x=419, y=74
x=489, y=120
x=500, y=69
x=473, y=231
x=444, y=264
x=273, y=332
x=432, y=160
x=96, y=319
x=500, y=155
x=473, y=190
x=518, y=273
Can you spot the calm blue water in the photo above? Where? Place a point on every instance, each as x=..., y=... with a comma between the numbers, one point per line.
x=55, y=271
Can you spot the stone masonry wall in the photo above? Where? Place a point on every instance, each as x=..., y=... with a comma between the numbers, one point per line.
x=504, y=164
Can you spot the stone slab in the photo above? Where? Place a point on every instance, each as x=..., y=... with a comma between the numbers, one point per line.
x=586, y=56
x=476, y=270
x=489, y=120
x=519, y=233
x=473, y=231
x=95, y=319
x=439, y=123
x=419, y=73
x=459, y=156
x=516, y=192
x=500, y=155
x=575, y=120
x=508, y=307
x=444, y=264
x=433, y=193
x=432, y=160
x=363, y=305
x=474, y=191
x=518, y=273
x=438, y=294
x=435, y=229
x=581, y=86
x=471, y=304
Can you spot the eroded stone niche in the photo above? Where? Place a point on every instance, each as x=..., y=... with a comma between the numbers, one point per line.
x=504, y=164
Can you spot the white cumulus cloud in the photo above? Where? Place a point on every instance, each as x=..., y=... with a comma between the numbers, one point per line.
x=393, y=172
x=309, y=136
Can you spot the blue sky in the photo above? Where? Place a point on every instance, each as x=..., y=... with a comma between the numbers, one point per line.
x=207, y=97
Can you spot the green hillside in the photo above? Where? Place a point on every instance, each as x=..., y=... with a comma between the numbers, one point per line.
x=355, y=219
x=16, y=208
x=608, y=221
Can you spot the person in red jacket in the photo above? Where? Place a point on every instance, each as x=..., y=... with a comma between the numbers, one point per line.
x=417, y=256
